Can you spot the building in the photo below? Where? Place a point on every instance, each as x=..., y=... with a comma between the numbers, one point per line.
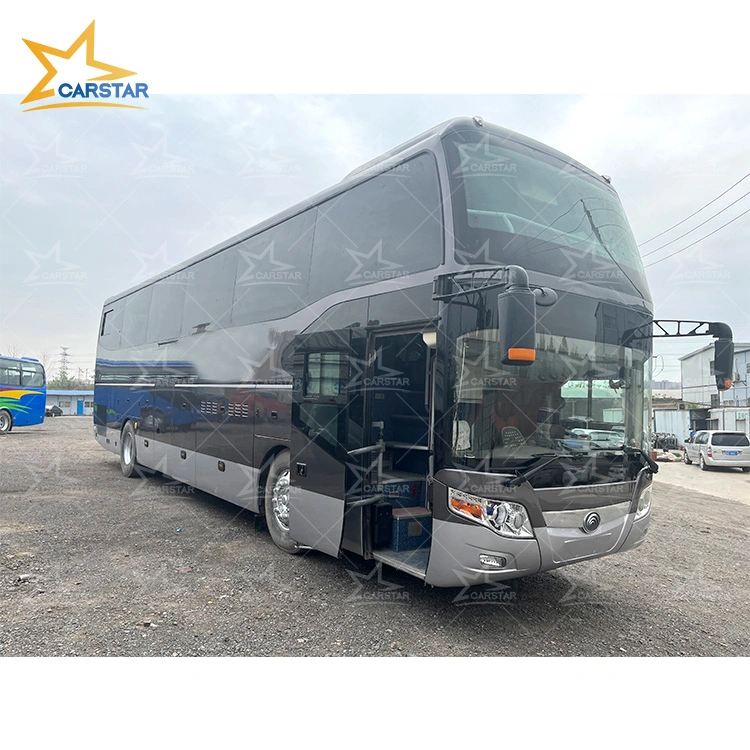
x=728, y=410
x=699, y=382
x=80, y=403
x=739, y=393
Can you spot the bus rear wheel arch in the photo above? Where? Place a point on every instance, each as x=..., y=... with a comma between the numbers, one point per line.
x=6, y=421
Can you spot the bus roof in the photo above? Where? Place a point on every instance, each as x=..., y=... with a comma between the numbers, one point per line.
x=20, y=359
x=369, y=169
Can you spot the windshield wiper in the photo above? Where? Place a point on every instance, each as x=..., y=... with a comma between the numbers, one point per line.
x=629, y=450
x=640, y=452
x=523, y=476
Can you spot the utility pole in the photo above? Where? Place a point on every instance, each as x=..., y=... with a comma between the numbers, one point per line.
x=64, y=362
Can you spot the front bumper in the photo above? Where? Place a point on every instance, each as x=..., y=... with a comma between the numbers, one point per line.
x=559, y=538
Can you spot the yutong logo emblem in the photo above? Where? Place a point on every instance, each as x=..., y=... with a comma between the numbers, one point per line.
x=66, y=90
x=591, y=523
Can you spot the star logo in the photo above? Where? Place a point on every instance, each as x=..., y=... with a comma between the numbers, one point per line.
x=50, y=160
x=363, y=483
x=80, y=52
x=479, y=256
x=383, y=377
x=490, y=593
x=157, y=161
x=49, y=268
x=276, y=269
x=482, y=158
x=697, y=266
x=266, y=370
x=386, y=266
x=154, y=262
x=590, y=262
x=386, y=590
x=266, y=159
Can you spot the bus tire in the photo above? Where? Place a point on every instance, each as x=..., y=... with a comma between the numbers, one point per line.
x=6, y=421
x=276, y=503
x=128, y=462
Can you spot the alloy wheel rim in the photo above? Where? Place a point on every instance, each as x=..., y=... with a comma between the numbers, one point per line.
x=280, y=499
x=127, y=448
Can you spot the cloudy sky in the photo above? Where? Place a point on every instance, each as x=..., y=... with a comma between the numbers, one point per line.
x=93, y=202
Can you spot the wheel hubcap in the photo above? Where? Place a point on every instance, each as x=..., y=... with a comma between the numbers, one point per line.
x=280, y=499
x=3, y=422
x=127, y=448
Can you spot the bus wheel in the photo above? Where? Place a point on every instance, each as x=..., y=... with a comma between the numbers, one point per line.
x=128, y=462
x=276, y=503
x=6, y=422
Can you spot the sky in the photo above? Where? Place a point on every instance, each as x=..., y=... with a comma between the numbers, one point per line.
x=94, y=201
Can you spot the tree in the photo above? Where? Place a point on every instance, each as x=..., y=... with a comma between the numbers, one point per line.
x=11, y=350
x=46, y=359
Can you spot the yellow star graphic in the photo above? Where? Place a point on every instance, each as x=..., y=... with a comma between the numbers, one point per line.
x=42, y=50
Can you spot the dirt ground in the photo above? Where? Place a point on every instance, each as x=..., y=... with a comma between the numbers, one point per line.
x=92, y=563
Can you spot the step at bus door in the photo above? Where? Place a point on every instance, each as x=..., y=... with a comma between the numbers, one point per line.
x=326, y=466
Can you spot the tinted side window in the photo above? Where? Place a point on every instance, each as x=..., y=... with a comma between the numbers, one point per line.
x=32, y=375
x=109, y=334
x=387, y=227
x=135, y=324
x=10, y=373
x=167, y=301
x=325, y=374
x=209, y=289
x=273, y=270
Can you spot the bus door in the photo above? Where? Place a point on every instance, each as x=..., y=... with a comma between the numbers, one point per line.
x=329, y=447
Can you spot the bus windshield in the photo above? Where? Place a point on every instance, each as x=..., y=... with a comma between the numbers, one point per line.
x=579, y=397
x=515, y=204
x=585, y=394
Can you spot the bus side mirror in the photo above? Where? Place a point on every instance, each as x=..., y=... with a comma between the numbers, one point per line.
x=723, y=363
x=516, y=307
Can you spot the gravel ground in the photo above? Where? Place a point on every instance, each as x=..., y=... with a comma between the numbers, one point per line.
x=731, y=484
x=92, y=563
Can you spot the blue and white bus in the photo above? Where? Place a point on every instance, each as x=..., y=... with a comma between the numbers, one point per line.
x=23, y=392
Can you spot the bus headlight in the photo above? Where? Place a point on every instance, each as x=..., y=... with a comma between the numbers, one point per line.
x=644, y=503
x=503, y=517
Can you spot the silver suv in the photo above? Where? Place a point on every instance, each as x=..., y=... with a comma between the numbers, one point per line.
x=718, y=448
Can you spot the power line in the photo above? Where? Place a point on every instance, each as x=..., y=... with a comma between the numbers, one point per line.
x=676, y=252
x=694, y=212
x=690, y=231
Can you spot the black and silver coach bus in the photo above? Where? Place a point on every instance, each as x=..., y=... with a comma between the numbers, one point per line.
x=441, y=363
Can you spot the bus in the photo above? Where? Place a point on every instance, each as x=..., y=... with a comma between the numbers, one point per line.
x=23, y=392
x=405, y=366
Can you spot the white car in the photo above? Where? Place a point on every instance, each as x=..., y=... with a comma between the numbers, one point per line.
x=718, y=448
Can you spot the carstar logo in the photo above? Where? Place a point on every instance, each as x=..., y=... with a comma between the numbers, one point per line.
x=69, y=82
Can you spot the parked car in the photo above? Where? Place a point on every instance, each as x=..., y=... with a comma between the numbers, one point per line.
x=580, y=439
x=718, y=448
x=53, y=411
